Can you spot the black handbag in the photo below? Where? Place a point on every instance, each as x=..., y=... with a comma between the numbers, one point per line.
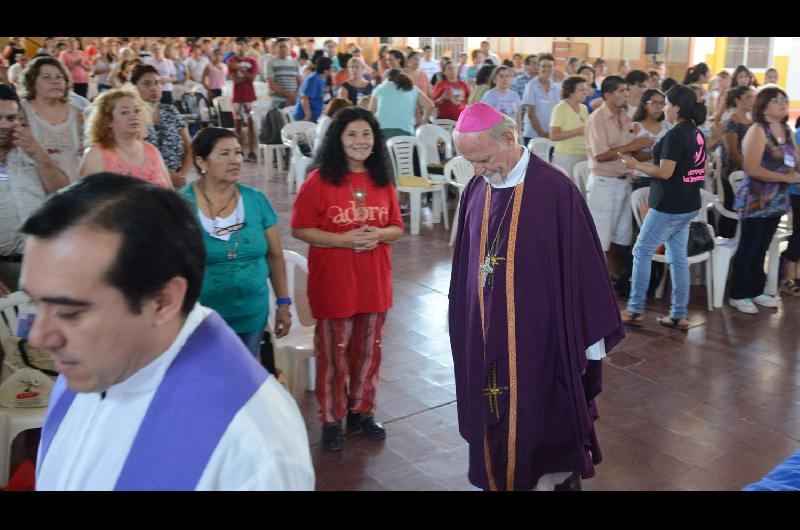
x=700, y=239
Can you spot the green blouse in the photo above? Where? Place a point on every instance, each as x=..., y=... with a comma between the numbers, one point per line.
x=237, y=288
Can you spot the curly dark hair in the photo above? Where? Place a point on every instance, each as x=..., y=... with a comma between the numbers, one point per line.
x=331, y=159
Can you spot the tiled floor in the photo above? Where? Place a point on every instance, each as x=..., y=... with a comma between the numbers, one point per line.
x=713, y=409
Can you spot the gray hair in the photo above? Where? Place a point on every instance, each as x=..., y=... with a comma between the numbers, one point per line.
x=498, y=131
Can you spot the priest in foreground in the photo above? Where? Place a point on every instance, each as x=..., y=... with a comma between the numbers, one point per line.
x=156, y=392
x=532, y=313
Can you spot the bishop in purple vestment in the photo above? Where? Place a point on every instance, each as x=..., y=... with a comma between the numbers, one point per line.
x=531, y=304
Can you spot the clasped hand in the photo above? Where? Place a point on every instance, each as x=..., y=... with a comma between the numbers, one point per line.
x=362, y=239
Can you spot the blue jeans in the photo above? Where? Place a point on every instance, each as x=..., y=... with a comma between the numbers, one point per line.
x=658, y=229
x=252, y=341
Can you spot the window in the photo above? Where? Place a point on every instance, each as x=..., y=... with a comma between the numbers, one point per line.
x=450, y=46
x=753, y=52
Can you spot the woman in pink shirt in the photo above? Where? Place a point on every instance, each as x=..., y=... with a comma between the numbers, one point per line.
x=117, y=127
x=214, y=75
x=79, y=65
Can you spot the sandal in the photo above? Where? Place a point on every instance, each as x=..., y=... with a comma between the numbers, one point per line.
x=676, y=323
x=791, y=287
x=634, y=320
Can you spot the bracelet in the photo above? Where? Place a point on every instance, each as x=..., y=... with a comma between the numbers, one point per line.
x=286, y=300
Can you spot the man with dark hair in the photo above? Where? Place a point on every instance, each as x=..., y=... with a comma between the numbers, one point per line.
x=428, y=64
x=486, y=48
x=311, y=96
x=27, y=176
x=637, y=83
x=156, y=392
x=283, y=75
x=244, y=70
x=609, y=131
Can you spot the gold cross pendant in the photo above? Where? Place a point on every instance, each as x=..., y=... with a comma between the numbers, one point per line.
x=487, y=269
x=492, y=391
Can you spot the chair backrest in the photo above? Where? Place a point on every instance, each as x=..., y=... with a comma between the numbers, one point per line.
x=262, y=89
x=224, y=108
x=638, y=202
x=580, y=175
x=735, y=179
x=9, y=312
x=294, y=261
x=306, y=128
x=227, y=89
x=258, y=110
x=401, y=151
x=322, y=127
x=428, y=137
x=447, y=125
x=540, y=147
x=288, y=113
x=459, y=170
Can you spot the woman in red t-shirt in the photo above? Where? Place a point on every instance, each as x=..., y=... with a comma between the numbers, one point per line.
x=347, y=212
x=450, y=94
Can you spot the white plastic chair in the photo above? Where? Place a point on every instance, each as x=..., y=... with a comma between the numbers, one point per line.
x=227, y=89
x=428, y=137
x=541, y=147
x=298, y=345
x=580, y=176
x=262, y=89
x=267, y=152
x=447, y=125
x=457, y=173
x=224, y=108
x=322, y=127
x=401, y=151
x=724, y=248
x=638, y=201
x=288, y=136
x=13, y=421
x=288, y=112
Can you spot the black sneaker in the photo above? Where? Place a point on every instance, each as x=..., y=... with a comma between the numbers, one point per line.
x=332, y=436
x=573, y=483
x=366, y=422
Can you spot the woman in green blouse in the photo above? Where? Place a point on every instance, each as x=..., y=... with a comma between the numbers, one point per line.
x=242, y=240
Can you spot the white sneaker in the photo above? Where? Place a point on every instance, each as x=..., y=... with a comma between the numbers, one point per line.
x=745, y=305
x=765, y=300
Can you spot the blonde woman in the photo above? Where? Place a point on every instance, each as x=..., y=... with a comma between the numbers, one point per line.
x=117, y=128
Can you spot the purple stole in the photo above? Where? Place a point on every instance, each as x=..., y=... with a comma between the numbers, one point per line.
x=210, y=380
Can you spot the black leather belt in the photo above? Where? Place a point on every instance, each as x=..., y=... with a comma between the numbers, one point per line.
x=15, y=258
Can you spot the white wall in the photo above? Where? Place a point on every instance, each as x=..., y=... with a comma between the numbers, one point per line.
x=702, y=47
x=793, y=80
x=782, y=45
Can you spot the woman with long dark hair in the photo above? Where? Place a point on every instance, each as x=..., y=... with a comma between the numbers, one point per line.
x=677, y=174
x=743, y=76
x=770, y=166
x=740, y=102
x=697, y=74
x=347, y=212
x=395, y=102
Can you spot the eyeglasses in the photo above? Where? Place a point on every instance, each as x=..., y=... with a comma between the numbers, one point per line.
x=779, y=99
x=656, y=104
x=224, y=230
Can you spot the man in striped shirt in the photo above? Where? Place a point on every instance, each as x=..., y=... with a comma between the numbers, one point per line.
x=283, y=75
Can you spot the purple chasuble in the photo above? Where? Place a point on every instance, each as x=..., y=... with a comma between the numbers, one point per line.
x=211, y=379
x=563, y=303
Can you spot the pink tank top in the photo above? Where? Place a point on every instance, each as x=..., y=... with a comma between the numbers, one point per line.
x=150, y=171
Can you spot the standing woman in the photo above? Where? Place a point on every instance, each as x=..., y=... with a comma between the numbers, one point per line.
x=677, y=175
x=347, y=212
x=355, y=87
x=650, y=117
x=450, y=94
x=592, y=92
x=242, y=240
x=102, y=67
x=568, y=125
x=166, y=71
x=395, y=102
x=79, y=65
x=770, y=166
x=117, y=127
x=483, y=83
x=214, y=75
x=167, y=130
x=740, y=101
x=55, y=123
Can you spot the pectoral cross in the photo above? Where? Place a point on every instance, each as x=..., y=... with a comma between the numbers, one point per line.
x=492, y=391
x=487, y=269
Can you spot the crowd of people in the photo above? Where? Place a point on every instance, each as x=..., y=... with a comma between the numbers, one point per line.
x=635, y=128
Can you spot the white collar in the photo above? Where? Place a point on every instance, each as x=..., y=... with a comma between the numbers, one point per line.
x=149, y=377
x=517, y=173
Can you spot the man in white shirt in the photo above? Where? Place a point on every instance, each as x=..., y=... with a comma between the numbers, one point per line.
x=489, y=54
x=156, y=392
x=428, y=64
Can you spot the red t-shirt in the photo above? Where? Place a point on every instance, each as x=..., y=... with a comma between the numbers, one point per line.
x=341, y=281
x=449, y=110
x=243, y=92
